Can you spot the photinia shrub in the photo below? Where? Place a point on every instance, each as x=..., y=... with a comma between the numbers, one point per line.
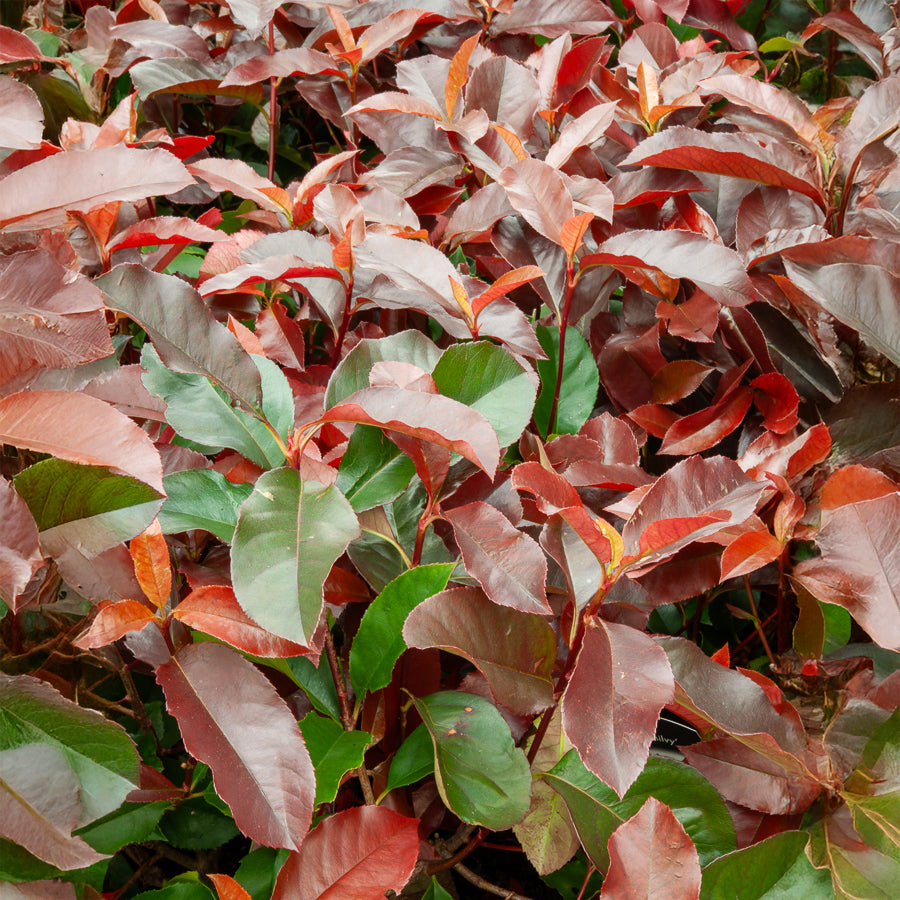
x=432, y=431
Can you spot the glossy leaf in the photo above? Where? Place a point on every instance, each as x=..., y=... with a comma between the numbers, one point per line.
x=613, y=700
x=333, y=752
x=227, y=888
x=373, y=469
x=40, y=195
x=539, y=194
x=48, y=318
x=115, y=619
x=151, y=564
x=578, y=392
x=778, y=865
x=467, y=730
x=247, y=736
x=515, y=651
x=857, y=564
x=20, y=551
x=98, y=751
x=215, y=611
x=184, y=332
x=288, y=536
x=202, y=498
x=651, y=854
x=506, y=562
x=41, y=805
x=429, y=417
x=97, y=434
x=356, y=854
x=379, y=641
x=489, y=380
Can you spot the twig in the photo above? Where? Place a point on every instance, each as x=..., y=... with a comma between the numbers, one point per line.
x=479, y=882
x=756, y=620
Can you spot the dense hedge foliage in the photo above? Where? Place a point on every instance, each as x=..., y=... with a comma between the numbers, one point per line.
x=450, y=449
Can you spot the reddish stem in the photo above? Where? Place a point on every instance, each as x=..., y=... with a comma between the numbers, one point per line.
x=563, y=325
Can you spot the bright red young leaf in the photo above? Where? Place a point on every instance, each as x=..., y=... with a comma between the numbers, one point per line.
x=694, y=499
x=357, y=854
x=247, y=736
x=94, y=432
x=651, y=856
x=737, y=155
x=515, y=651
x=621, y=682
x=506, y=562
x=750, y=551
x=163, y=230
x=114, y=619
x=215, y=611
x=851, y=484
x=227, y=888
x=151, y=564
x=20, y=549
x=776, y=398
x=702, y=430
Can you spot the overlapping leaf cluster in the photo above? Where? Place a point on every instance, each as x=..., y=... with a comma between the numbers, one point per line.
x=531, y=376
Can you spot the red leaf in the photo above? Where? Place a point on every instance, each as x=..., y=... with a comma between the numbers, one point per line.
x=42, y=195
x=572, y=233
x=280, y=336
x=748, y=552
x=15, y=46
x=94, y=432
x=777, y=399
x=357, y=854
x=504, y=284
x=788, y=457
x=719, y=271
x=431, y=417
x=850, y=484
x=702, y=430
x=465, y=622
x=163, y=230
x=506, y=562
x=678, y=379
x=736, y=155
x=621, y=682
x=20, y=549
x=694, y=320
x=458, y=74
x=227, y=888
x=745, y=776
x=652, y=856
x=215, y=611
x=859, y=567
x=151, y=564
x=247, y=736
x=693, y=499
x=114, y=620
x=538, y=193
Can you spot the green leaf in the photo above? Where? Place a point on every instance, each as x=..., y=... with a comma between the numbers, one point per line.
x=333, y=751
x=202, y=498
x=99, y=752
x=178, y=891
x=580, y=382
x=87, y=506
x=435, y=891
x=413, y=760
x=352, y=374
x=187, y=337
x=317, y=683
x=258, y=870
x=838, y=625
x=488, y=379
x=373, y=469
x=379, y=641
x=201, y=412
x=774, y=869
x=779, y=45
x=130, y=823
x=195, y=825
x=288, y=536
x=480, y=773
x=597, y=811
